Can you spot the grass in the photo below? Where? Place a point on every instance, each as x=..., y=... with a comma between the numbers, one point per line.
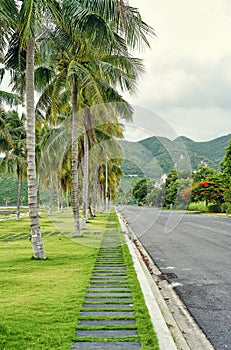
x=146, y=334
x=41, y=300
x=199, y=206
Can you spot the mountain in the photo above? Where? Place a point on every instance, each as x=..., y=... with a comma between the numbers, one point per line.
x=157, y=155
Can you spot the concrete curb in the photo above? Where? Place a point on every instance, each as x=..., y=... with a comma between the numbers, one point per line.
x=176, y=319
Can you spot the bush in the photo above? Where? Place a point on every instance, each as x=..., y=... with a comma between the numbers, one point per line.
x=226, y=208
x=214, y=208
x=198, y=206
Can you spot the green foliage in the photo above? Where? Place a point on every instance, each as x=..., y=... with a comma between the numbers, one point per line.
x=171, y=187
x=41, y=299
x=176, y=184
x=214, y=208
x=142, y=188
x=9, y=189
x=198, y=206
x=166, y=152
x=155, y=197
x=226, y=166
x=208, y=191
x=226, y=176
x=130, y=169
x=206, y=173
x=210, y=152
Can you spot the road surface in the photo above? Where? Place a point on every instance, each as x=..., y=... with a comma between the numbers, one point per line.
x=197, y=249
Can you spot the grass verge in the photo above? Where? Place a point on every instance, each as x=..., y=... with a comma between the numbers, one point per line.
x=41, y=300
x=146, y=333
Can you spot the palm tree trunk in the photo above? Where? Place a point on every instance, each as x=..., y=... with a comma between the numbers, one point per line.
x=85, y=178
x=60, y=194
x=59, y=197
x=36, y=237
x=50, y=197
x=19, y=192
x=74, y=161
x=95, y=191
x=67, y=198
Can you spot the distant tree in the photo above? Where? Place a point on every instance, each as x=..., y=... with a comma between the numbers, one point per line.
x=13, y=144
x=142, y=188
x=171, y=187
x=156, y=197
x=207, y=191
x=205, y=173
x=7, y=200
x=226, y=175
x=176, y=184
x=226, y=167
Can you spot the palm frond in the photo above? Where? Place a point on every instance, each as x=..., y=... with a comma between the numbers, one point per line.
x=27, y=21
x=9, y=98
x=9, y=12
x=43, y=76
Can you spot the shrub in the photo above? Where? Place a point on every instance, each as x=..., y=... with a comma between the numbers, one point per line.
x=198, y=206
x=214, y=208
x=226, y=208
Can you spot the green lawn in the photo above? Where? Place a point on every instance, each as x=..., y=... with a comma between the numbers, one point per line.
x=41, y=300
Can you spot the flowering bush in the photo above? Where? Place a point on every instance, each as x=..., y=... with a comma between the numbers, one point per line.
x=207, y=191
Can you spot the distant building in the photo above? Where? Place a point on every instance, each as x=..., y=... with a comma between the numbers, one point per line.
x=161, y=181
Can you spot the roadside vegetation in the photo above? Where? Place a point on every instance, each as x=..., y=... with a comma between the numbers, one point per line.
x=41, y=299
x=205, y=190
x=77, y=58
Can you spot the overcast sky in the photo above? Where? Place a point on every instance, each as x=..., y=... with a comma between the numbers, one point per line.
x=186, y=89
x=188, y=69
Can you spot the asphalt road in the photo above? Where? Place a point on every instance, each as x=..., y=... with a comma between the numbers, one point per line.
x=197, y=249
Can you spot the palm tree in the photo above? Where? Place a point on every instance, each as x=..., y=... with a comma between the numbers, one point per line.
x=84, y=75
x=13, y=137
x=114, y=25
x=24, y=22
x=92, y=41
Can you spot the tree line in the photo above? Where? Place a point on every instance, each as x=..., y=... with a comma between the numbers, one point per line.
x=69, y=62
x=184, y=188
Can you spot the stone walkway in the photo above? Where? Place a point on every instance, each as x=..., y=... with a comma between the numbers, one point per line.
x=107, y=318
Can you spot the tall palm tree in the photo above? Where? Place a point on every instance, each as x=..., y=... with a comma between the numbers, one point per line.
x=109, y=26
x=90, y=75
x=24, y=22
x=97, y=36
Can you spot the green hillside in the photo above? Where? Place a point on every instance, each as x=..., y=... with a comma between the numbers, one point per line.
x=156, y=155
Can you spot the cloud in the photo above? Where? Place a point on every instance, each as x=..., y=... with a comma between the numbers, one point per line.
x=188, y=71
x=199, y=124
x=182, y=82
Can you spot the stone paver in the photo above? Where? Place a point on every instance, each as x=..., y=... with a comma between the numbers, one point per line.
x=96, y=313
x=106, y=333
x=112, y=300
x=106, y=346
x=108, y=302
x=107, y=306
x=100, y=323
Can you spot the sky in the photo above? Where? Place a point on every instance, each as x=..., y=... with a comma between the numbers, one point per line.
x=187, y=84
x=186, y=89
